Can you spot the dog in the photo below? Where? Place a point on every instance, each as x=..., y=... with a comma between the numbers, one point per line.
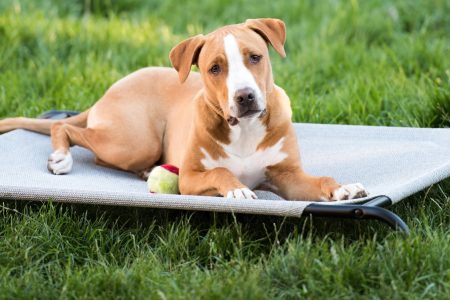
x=227, y=127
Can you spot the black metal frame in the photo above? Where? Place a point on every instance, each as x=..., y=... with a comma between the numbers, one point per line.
x=58, y=114
x=373, y=208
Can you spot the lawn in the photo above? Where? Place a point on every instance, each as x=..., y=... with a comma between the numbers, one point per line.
x=348, y=62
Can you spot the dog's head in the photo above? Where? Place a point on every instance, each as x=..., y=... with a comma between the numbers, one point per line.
x=234, y=64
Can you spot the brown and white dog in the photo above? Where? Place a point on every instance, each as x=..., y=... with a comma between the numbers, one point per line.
x=228, y=128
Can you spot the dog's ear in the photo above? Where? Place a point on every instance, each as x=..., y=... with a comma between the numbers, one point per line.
x=272, y=31
x=185, y=54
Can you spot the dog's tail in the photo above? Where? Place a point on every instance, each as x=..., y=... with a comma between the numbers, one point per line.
x=41, y=125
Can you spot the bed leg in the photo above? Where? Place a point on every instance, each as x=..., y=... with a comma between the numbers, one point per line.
x=373, y=209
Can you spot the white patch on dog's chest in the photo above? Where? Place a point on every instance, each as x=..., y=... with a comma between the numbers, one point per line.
x=244, y=161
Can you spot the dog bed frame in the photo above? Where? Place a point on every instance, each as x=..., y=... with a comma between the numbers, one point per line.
x=392, y=163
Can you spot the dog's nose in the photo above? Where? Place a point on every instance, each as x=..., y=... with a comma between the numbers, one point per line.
x=244, y=96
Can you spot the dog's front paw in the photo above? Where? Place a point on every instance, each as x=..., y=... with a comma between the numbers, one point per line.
x=242, y=193
x=349, y=191
x=60, y=162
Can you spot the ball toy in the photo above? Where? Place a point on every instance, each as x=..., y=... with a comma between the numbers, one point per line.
x=163, y=180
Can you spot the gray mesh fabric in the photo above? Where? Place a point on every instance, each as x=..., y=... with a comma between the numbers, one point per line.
x=396, y=162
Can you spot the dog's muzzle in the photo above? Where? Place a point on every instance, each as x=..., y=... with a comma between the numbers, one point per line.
x=246, y=104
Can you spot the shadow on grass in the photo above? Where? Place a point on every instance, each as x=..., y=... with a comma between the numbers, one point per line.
x=440, y=110
x=429, y=208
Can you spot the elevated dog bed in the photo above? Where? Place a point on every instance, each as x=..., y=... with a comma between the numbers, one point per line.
x=392, y=163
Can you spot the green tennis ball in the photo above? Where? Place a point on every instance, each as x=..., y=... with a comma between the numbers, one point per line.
x=163, y=180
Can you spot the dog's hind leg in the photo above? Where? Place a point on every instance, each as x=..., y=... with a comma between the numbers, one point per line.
x=115, y=151
x=63, y=136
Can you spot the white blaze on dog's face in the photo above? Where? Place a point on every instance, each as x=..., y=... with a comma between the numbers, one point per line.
x=235, y=65
x=245, y=98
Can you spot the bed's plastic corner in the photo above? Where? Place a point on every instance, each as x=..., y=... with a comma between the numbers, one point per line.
x=372, y=209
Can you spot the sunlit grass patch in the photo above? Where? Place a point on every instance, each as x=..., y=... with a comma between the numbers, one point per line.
x=349, y=62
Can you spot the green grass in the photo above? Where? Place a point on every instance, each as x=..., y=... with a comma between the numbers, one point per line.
x=349, y=62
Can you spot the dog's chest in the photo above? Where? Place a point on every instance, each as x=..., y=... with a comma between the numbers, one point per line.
x=243, y=159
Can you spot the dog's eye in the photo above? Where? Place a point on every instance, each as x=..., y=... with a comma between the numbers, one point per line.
x=215, y=69
x=254, y=59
